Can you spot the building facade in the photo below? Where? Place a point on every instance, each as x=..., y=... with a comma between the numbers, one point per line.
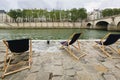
x=96, y=14
x=4, y=17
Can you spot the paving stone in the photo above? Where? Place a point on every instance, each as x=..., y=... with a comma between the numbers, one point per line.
x=78, y=66
x=83, y=75
x=59, y=53
x=21, y=76
x=90, y=68
x=57, y=71
x=108, y=65
x=31, y=76
x=109, y=77
x=57, y=78
x=69, y=78
x=97, y=76
x=117, y=65
x=116, y=71
x=101, y=68
x=48, y=67
x=57, y=62
x=34, y=69
x=101, y=59
x=41, y=75
x=35, y=61
x=67, y=65
x=70, y=72
x=1, y=73
x=1, y=66
x=2, y=58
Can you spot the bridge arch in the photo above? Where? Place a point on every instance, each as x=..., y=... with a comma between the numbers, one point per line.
x=118, y=26
x=102, y=25
x=89, y=25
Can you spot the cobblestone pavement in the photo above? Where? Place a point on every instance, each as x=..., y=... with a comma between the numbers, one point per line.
x=50, y=62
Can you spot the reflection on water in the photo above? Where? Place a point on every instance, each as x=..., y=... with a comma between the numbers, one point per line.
x=53, y=34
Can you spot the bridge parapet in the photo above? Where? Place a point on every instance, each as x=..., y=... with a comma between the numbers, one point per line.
x=111, y=23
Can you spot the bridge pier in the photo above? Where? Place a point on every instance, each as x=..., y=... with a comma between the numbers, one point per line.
x=112, y=27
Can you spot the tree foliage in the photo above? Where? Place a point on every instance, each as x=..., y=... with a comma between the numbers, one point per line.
x=15, y=14
x=53, y=15
x=110, y=12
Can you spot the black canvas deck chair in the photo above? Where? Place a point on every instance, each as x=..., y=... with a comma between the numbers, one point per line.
x=16, y=47
x=70, y=43
x=107, y=41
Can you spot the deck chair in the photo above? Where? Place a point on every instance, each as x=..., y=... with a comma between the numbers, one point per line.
x=107, y=41
x=16, y=47
x=67, y=45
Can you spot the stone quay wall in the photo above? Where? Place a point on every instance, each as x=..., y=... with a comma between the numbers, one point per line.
x=42, y=25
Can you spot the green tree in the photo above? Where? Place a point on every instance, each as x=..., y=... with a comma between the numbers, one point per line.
x=116, y=11
x=107, y=12
x=78, y=14
x=82, y=13
x=29, y=15
x=110, y=12
x=13, y=14
x=74, y=14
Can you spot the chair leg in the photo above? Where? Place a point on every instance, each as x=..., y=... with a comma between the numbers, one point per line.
x=6, y=67
x=103, y=49
x=114, y=50
x=15, y=71
x=11, y=72
x=72, y=54
x=119, y=51
x=78, y=45
x=82, y=55
x=5, y=59
x=30, y=54
x=107, y=54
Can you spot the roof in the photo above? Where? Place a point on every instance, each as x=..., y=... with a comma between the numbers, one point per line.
x=2, y=11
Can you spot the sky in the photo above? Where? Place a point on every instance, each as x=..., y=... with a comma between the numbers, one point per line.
x=90, y=5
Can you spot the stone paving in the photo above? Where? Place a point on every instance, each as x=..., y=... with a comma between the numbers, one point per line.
x=50, y=62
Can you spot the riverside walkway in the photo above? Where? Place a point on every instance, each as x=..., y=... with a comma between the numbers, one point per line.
x=52, y=63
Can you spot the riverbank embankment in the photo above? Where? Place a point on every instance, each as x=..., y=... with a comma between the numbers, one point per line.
x=50, y=62
x=42, y=25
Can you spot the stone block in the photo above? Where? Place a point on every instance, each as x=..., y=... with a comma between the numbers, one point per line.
x=31, y=76
x=117, y=65
x=57, y=78
x=70, y=72
x=109, y=77
x=57, y=71
x=41, y=75
x=48, y=67
x=67, y=65
x=83, y=75
x=108, y=65
x=35, y=69
x=57, y=62
x=69, y=78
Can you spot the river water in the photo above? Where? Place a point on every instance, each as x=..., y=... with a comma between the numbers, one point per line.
x=51, y=34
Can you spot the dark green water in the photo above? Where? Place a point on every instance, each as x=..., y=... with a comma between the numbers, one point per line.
x=54, y=34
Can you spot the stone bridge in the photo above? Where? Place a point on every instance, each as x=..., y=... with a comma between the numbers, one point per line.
x=108, y=23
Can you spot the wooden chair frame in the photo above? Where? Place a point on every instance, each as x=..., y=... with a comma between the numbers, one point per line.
x=77, y=47
x=102, y=47
x=7, y=64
